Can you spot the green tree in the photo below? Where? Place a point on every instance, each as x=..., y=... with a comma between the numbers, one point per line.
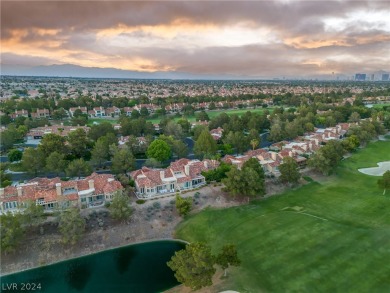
x=78, y=142
x=159, y=150
x=33, y=160
x=71, y=226
x=350, y=143
x=120, y=208
x=100, y=130
x=59, y=114
x=197, y=130
x=355, y=117
x=173, y=129
x=217, y=174
x=5, y=179
x=327, y=157
x=101, y=150
x=254, y=143
x=144, y=112
x=228, y=257
x=194, y=265
x=15, y=155
x=205, y=146
x=11, y=231
x=237, y=140
x=56, y=163
x=254, y=164
x=179, y=149
x=122, y=161
x=78, y=168
x=202, y=116
x=183, y=205
x=289, y=171
x=52, y=143
x=276, y=132
x=135, y=114
x=384, y=182
x=33, y=214
x=245, y=182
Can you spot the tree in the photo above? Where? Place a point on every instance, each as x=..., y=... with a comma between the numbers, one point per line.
x=254, y=143
x=77, y=168
x=202, y=116
x=122, y=161
x=173, y=129
x=276, y=132
x=245, y=182
x=183, y=205
x=101, y=150
x=78, y=142
x=289, y=171
x=33, y=214
x=11, y=231
x=71, y=226
x=144, y=112
x=59, y=114
x=355, y=117
x=254, y=164
x=52, y=143
x=197, y=130
x=33, y=160
x=217, y=174
x=350, y=143
x=205, y=146
x=5, y=179
x=384, y=182
x=135, y=114
x=228, y=257
x=327, y=157
x=159, y=150
x=194, y=265
x=56, y=162
x=15, y=155
x=119, y=207
x=100, y=130
x=237, y=140
x=180, y=149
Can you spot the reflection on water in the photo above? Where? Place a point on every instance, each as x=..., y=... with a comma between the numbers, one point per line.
x=138, y=268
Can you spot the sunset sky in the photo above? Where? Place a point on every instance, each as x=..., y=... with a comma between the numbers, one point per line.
x=257, y=38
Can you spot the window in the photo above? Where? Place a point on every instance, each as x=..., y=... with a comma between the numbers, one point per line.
x=83, y=199
x=142, y=190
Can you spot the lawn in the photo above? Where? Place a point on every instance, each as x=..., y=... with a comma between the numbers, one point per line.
x=190, y=118
x=328, y=237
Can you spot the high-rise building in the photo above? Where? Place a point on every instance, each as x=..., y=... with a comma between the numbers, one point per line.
x=360, y=76
x=385, y=77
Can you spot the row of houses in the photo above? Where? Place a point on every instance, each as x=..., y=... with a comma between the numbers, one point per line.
x=92, y=191
x=98, y=112
x=62, y=130
x=181, y=175
x=299, y=149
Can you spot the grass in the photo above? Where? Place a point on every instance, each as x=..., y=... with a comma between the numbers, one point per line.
x=380, y=106
x=190, y=118
x=323, y=237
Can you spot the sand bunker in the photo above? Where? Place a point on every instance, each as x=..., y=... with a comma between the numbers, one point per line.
x=376, y=171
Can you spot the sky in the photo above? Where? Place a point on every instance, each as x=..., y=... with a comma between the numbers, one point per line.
x=240, y=38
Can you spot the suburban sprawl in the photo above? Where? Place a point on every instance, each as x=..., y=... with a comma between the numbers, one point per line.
x=254, y=175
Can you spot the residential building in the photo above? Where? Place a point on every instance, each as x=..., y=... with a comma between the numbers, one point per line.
x=183, y=174
x=88, y=192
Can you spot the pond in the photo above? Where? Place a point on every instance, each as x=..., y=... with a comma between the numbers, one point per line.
x=139, y=268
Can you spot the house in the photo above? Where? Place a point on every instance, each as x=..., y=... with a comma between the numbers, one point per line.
x=127, y=111
x=39, y=132
x=216, y=133
x=19, y=113
x=97, y=112
x=41, y=113
x=94, y=190
x=113, y=111
x=83, y=110
x=183, y=174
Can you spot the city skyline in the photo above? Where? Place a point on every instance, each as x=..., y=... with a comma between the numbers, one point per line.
x=253, y=39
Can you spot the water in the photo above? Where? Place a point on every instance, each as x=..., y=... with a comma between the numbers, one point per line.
x=139, y=268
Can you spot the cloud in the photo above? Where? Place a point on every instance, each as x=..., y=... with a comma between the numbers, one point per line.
x=261, y=38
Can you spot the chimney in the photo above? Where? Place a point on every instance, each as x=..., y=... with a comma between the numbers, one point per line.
x=162, y=175
x=91, y=183
x=273, y=155
x=1, y=191
x=206, y=164
x=187, y=169
x=20, y=190
x=58, y=189
x=109, y=179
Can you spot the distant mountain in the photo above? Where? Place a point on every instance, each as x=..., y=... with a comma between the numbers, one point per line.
x=70, y=70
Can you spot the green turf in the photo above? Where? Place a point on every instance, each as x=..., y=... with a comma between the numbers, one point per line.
x=381, y=105
x=190, y=118
x=328, y=237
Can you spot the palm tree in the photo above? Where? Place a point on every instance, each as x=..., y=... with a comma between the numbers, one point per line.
x=254, y=143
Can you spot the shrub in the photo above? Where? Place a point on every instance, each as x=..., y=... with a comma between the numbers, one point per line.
x=156, y=205
x=140, y=201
